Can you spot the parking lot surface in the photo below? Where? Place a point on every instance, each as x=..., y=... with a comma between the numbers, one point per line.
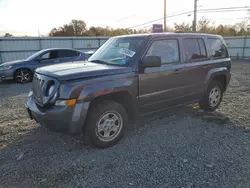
x=179, y=148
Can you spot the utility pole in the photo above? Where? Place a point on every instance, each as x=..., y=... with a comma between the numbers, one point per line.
x=165, y=21
x=195, y=15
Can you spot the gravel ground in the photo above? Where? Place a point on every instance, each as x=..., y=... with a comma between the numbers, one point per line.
x=180, y=148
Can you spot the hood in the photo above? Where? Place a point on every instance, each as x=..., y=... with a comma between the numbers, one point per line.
x=79, y=70
x=13, y=62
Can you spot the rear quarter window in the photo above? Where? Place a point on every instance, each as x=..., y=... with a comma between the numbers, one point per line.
x=218, y=49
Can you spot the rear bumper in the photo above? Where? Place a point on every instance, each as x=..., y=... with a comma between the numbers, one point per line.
x=69, y=119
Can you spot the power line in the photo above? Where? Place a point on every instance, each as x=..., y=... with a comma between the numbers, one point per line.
x=241, y=18
x=161, y=19
x=222, y=10
x=150, y=22
x=126, y=17
x=150, y=25
x=202, y=11
x=238, y=18
x=227, y=9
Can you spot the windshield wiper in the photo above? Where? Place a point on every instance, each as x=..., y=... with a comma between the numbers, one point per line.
x=105, y=62
x=99, y=61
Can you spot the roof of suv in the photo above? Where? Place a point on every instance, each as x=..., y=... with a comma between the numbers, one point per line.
x=169, y=34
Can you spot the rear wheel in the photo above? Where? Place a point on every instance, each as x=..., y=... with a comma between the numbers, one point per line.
x=213, y=96
x=106, y=124
x=23, y=76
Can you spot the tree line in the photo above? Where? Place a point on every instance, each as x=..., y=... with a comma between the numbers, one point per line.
x=206, y=26
x=79, y=28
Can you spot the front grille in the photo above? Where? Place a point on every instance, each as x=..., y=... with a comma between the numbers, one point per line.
x=40, y=86
x=37, y=88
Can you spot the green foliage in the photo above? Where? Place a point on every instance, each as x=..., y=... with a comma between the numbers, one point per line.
x=8, y=35
x=79, y=28
x=205, y=26
x=74, y=28
x=183, y=27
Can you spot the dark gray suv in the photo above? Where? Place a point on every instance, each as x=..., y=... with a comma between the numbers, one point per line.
x=128, y=77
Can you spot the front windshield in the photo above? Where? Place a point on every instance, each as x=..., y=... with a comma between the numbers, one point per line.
x=118, y=51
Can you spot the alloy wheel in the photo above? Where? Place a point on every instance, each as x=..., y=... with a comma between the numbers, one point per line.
x=109, y=126
x=23, y=76
x=214, y=96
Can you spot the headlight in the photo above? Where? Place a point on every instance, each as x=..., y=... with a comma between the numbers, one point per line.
x=5, y=67
x=54, y=98
x=51, y=89
x=30, y=93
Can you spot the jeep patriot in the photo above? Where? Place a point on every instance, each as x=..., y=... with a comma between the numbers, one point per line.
x=128, y=77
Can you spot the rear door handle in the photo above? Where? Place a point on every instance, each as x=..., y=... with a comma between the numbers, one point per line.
x=206, y=66
x=176, y=71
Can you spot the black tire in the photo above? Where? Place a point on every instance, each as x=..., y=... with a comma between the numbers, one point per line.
x=206, y=104
x=23, y=76
x=96, y=116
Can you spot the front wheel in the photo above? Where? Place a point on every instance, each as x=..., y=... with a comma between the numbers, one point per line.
x=106, y=124
x=213, y=96
x=23, y=76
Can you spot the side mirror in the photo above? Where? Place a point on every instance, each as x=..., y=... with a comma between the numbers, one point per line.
x=151, y=61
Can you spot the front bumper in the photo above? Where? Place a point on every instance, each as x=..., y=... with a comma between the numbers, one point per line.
x=6, y=75
x=69, y=119
x=228, y=78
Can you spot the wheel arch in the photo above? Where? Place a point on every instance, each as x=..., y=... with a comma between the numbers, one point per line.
x=222, y=78
x=122, y=97
x=219, y=74
x=20, y=68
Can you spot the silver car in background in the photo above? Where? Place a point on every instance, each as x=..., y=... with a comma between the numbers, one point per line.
x=22, y=70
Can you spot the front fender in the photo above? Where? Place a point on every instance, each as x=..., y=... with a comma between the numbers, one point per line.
x=88, y=89
x=104, y=88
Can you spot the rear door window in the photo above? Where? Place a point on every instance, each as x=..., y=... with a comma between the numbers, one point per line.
x=218, y=49
x=194, y=49
x=67, y=53
x=54, y=54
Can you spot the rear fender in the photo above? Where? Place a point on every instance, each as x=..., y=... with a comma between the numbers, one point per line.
x=217, y=72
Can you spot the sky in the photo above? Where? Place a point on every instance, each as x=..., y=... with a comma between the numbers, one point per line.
x=31, y=17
